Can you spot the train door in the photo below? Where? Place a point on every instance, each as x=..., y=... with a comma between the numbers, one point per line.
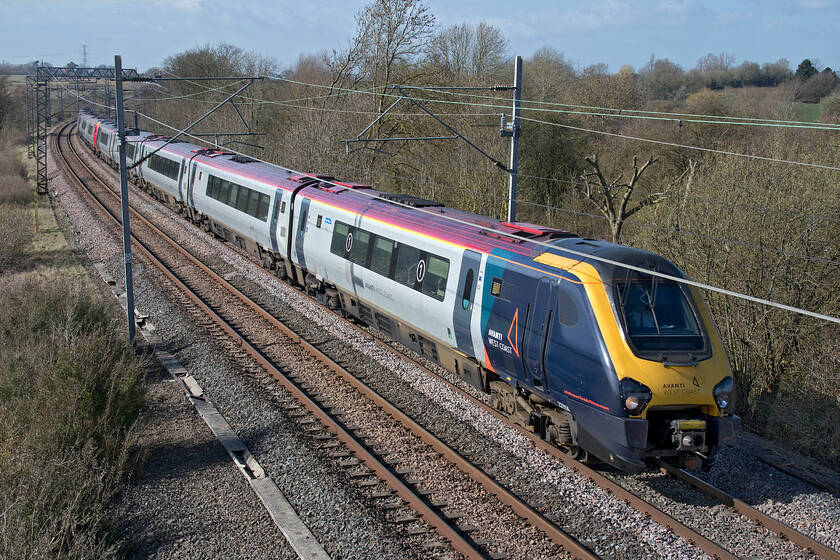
x=191, y=184
x=300, y=232
x=183, y=192
x=464, y=299
x=539, y=315
x=275, y=223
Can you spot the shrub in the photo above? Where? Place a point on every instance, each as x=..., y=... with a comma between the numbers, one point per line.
x=10, y=163
x=14, y=190
x=830, y=110
x=15, y=235
x=70, y=389
x=14, y=137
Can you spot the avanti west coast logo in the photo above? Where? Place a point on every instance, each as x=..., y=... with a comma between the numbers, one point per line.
x=681, y=388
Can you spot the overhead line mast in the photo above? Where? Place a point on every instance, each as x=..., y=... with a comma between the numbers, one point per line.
x=512, y=131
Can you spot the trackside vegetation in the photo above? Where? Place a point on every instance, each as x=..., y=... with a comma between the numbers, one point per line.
x=727, y=170
x=71, y=387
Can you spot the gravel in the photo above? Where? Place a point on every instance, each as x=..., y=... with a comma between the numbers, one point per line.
x=341, y=515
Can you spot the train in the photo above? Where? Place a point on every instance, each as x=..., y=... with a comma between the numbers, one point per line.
x=596, y=347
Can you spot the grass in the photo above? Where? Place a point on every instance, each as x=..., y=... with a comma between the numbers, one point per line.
x=71, y=387
x=807, y=112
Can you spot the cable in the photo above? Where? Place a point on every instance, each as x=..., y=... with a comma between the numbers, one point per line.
x=642, y=224
x=583, y=256
x=653, y=226
x=711, y=150
x=602, y=217
x=674, y=145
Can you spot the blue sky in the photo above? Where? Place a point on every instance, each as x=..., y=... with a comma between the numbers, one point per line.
x=615, y=32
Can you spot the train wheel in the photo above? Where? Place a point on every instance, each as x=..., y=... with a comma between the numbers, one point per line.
x=575, y=452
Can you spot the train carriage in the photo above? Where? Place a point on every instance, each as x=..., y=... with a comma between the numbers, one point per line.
x=238, y=207
x=595, y=347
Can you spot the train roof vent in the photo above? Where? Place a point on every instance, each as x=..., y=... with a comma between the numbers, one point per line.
x=408, y=200
x=309, y=179
x=532, y=231
x=242, y=159
x=211, y=152
x=509, y=237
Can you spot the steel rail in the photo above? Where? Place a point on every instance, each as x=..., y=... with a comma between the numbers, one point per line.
x=503, y=494
x=415, y=500
x=781, y=529
x=690, y=535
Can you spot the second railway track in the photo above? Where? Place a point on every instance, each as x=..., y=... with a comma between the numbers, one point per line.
x=618, y=544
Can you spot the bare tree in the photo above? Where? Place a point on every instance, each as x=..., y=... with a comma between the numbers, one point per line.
x=716, y=62
x=464, y=52
x=549, y=75
x=613, y=197
x=391, y=34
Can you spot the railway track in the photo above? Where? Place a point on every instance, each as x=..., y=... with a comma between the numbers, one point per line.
x=404, y=485
x=256, y=332
x=712, y=548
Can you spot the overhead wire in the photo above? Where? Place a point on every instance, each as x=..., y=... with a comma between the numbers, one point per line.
x=635, y=223
x=662, y=228
x=712, y=288
x=595, y=257
x=601, y=217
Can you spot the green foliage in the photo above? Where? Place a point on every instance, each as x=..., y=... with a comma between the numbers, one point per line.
x=70, y=391
x=807, y=112
x=805, y=70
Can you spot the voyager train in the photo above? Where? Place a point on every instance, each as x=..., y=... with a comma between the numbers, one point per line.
x=597, y=358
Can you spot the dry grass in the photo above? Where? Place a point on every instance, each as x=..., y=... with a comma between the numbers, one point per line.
x=70, y=391
x=15, y=235
x=10, y=163
x=14, y=189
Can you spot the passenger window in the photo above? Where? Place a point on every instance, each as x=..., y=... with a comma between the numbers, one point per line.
x=380, y=261
x=434, y=280
x=224, y=191
x=262, y=210
x=302, y=229
x=242, y=199
x=359, y=250
x=233, y=193
x=407, y=260
x=339, y=239
x=253, y=203
x=467, y=289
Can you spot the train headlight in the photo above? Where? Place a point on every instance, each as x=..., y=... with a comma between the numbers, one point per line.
x=634, y=396
x=724, y=393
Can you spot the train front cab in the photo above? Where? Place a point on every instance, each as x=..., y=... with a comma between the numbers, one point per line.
x=669, y=400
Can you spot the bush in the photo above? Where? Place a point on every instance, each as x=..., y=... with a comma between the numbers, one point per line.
x=830, y=110
x=15, y=235
x=14, y=137
x=10, y=163
x=70, y=391
x=14, y=190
